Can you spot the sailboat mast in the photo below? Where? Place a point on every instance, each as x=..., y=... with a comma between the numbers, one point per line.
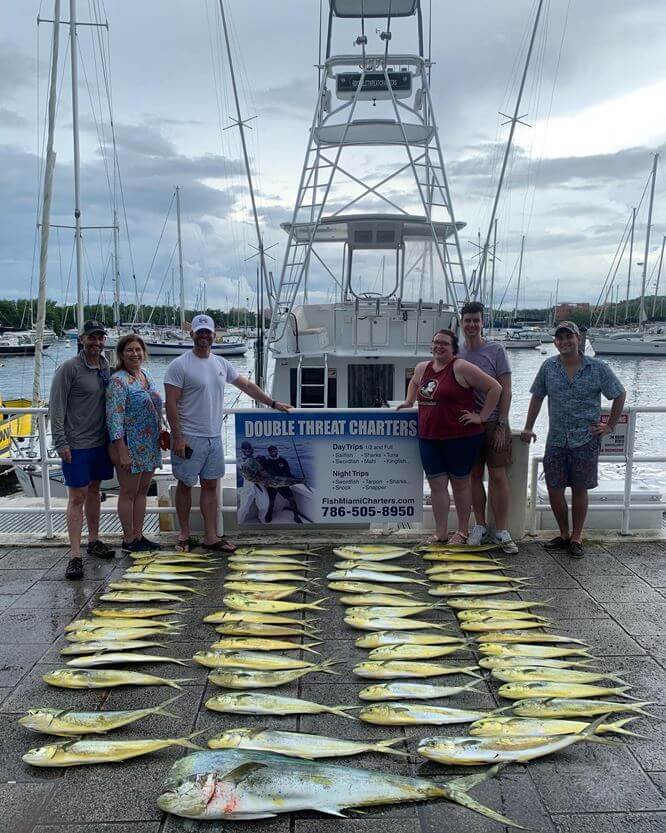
x=514, y=121
x=77, y=163
x=656, y=286
x=116, y=272
x=46, y=212
x=520, y=275
x=180, y=262
x=491, y=319
x=631, y=257
x=642, y=316
x=241, y=127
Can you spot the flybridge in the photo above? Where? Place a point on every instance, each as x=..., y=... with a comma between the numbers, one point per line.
x=374, y=8
x=374, y=84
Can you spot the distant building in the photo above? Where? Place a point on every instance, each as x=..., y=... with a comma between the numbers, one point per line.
x=563, y=312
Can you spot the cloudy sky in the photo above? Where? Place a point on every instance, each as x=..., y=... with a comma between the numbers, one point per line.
x=595, y=99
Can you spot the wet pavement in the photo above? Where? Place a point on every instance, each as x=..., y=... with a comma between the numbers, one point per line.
x=614, y=599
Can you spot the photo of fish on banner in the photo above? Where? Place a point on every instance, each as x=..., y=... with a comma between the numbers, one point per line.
x=272, y=486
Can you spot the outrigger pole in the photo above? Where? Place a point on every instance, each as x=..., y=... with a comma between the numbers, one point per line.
x=513, y=120
x=242, y=125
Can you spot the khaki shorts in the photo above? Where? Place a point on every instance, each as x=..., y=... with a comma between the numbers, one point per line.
x=488, y=455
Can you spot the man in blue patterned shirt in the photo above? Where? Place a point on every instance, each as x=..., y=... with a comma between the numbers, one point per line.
x=573, y=384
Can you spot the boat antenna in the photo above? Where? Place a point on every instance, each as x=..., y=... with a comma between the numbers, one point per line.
x=46, y=214
x=513, y=121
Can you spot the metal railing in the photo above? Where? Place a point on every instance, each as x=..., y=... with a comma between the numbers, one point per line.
x=626, y=456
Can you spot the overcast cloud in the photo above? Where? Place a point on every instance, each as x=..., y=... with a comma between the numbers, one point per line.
x=594, y=102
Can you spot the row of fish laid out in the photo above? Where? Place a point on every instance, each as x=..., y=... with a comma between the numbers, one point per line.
x=552, y=678
x=118, y=636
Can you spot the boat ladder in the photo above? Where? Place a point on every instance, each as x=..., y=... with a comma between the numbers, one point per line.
x=312, y=382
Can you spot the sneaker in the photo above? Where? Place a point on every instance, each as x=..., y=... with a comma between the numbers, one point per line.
x=127, y=547
x=505, y=542
x=477, y=535
x=100, y=549
x=143, y=544
x=74, y=570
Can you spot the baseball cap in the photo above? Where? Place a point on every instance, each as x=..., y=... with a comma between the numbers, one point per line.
x=569, y=326
x=93, y=326
x=203, y=322
x=246, y=444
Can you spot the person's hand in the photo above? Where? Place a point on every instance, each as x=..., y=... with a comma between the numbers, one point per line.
x=404, y=405
x=501, y=437
x=470, y=418
x=281, y=406
x=527, y=436
x=124, y=459
x=600, y=429
x=178, y=445
x=65, y=454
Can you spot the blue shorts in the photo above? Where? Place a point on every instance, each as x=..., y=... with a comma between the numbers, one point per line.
x=450, y=458
x=88, y=464
x=206, y=462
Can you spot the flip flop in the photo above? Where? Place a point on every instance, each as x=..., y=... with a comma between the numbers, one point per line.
x=432, y=539
x=182, y=546
x=220, y=546
x=462, y=539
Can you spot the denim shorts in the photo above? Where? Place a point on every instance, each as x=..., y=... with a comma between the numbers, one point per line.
x=450, y=458
x=206, y=462
x=88, y=465
x=574, y=467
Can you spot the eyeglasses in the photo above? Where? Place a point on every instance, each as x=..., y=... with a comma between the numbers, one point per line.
x=443, y=343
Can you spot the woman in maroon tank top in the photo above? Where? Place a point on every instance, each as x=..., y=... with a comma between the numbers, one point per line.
x=450, y=431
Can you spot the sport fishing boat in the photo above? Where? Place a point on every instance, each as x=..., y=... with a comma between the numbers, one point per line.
x=367, y=279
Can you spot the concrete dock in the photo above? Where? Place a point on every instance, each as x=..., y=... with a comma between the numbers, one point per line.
x=614, y=599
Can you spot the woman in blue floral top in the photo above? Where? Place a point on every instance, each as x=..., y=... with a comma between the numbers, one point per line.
x=133, y=417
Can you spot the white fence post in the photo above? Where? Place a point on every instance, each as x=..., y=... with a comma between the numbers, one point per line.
x=628, y=472
x=46, y=479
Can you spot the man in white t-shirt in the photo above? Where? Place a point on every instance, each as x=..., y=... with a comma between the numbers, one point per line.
x=194, y=384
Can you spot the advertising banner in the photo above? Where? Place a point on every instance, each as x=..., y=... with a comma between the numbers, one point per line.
x=328, y=467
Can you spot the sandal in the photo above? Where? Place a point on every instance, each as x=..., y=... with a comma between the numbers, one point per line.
x=430, y=540
x=220, y=546
x=458, y=539
x=182, y=546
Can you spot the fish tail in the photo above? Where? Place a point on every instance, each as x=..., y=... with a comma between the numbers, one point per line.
x=316, y=605
x=419, y=581
x=174, y=683
x=179, y=661
x=458, y=790
x=472, y=685
x=161, y=709
x=617, y=728
x=341, y=711
x=187, y=741
x=325, y=666
x=385, y=747
x=309, y=648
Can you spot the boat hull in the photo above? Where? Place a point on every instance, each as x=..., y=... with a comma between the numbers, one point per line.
x=630, y=347
x=180, y=347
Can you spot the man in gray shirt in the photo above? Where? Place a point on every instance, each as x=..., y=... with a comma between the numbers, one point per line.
x=490, y=357
x=77, y=413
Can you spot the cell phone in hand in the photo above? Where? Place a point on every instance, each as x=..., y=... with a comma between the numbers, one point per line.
x=188, y=452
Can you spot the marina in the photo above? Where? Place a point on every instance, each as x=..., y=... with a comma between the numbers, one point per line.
x=310, y=566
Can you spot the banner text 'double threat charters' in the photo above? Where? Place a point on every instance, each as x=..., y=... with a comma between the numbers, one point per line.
x=328, y=467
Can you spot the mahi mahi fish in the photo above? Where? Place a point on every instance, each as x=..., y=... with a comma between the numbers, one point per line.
x=392, y=669
x=236, y=601
x=223, y=616
x=370, y=553
x=78, y=678
x=391, y=623
x=417, y=691
x=416, y=714
x=372, y=575
x=94, y=624
x=240, y=678
x=99, y=646
x=377, y=639
x=111, y=658
x=271, y=704
x=467, y=751
x=140, y=596
x=299, y=744
x=360, y=587
x=67, y=722
x=135, y=612
x=78, y=752
x=572, y=707
x=249, y=644
x=256, y=660
x=471, y=589
x=491, y=727
x=372, y=565
x=413, y=651
x=262, y=629
x=519, y=691
x=386, y=599
x=234, y=784
x=494, y=604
